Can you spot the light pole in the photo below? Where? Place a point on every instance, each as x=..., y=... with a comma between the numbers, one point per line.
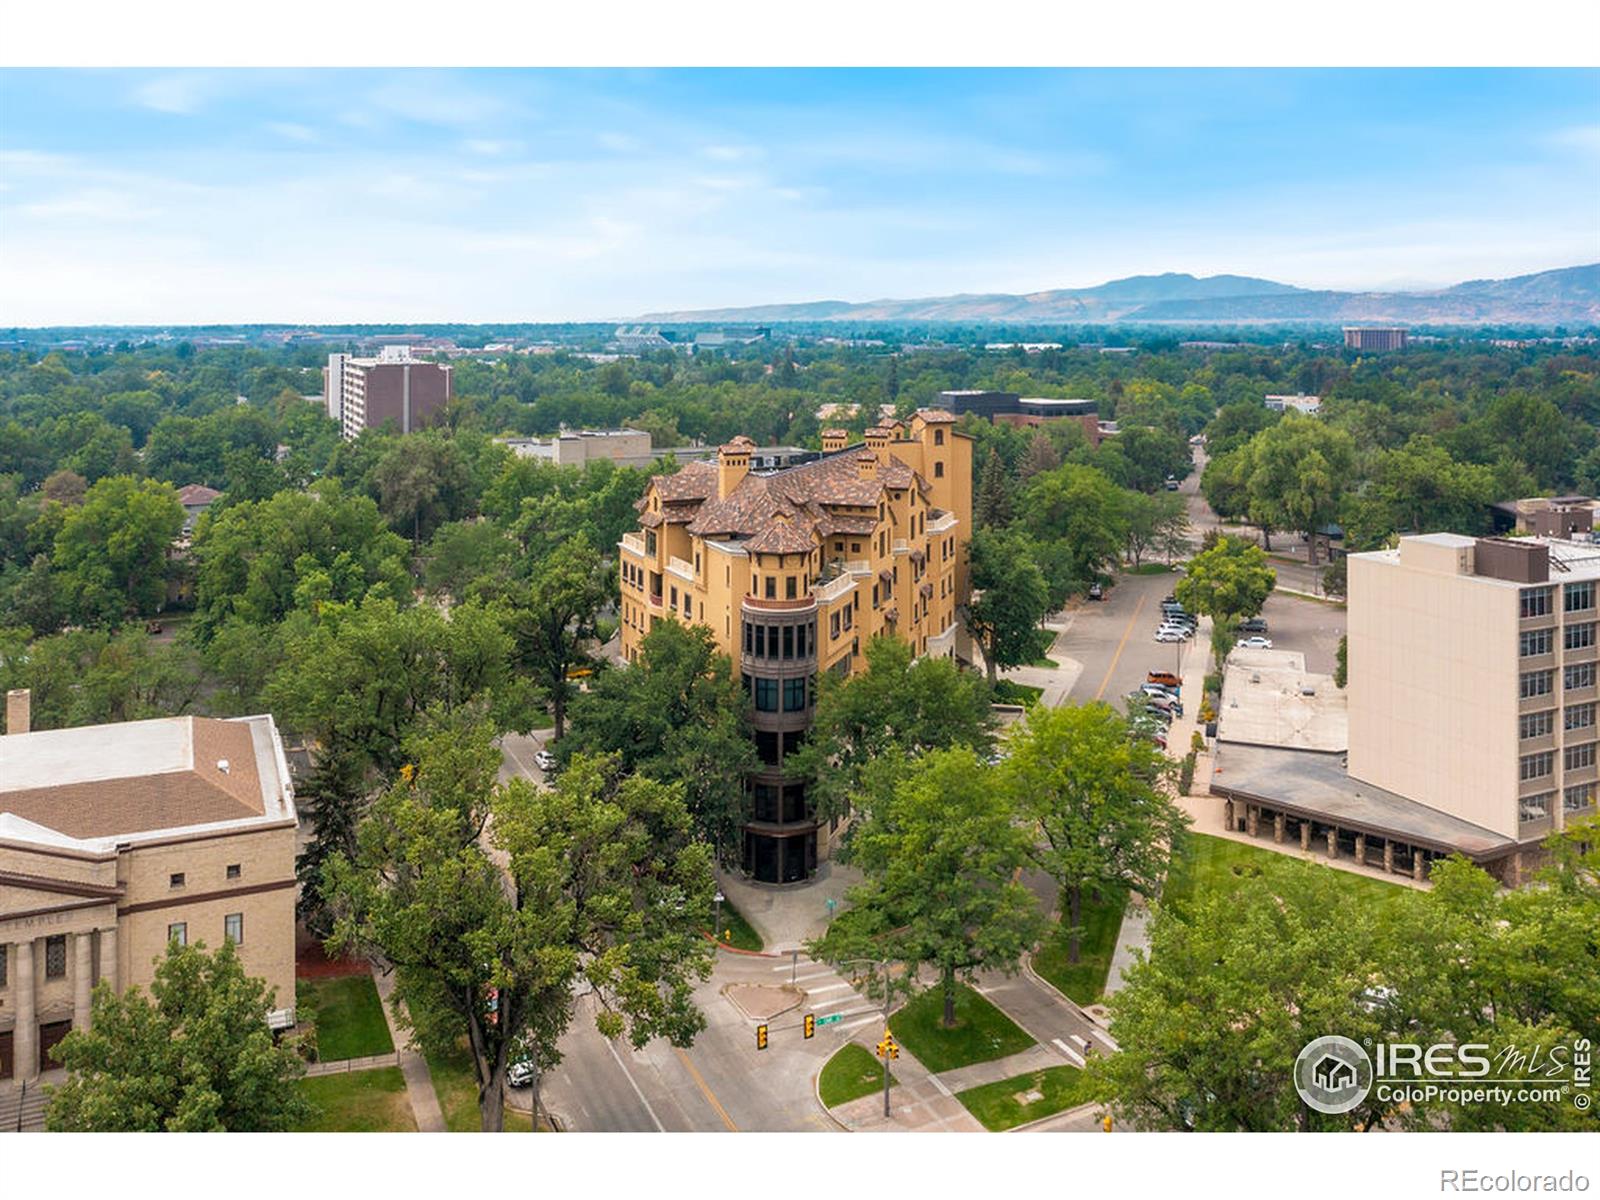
x=716, y=921
x=882, y=965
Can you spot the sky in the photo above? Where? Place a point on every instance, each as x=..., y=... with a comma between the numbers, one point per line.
x=193, y=196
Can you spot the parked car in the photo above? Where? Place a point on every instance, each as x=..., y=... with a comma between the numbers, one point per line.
x=1180, y=619
x=1158, y=690
x=1165, y=679
x=1169, y=634
x=1256, y=643
x=520, y=1074
x=1172, y=484
x=1253, y=625
x=1179, y=627
x=547, y=761
x=1096, y=592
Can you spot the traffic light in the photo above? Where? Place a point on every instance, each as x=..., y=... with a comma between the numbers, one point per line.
x=761, y=1037
x=887, y=1048
x=811, y=1025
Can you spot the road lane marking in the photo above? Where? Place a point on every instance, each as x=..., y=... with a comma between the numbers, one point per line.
x=822, y=1004
x=1126, y=633
x=1104, y=1038
x=705, y=1089
x=1073, y=1056
x=632, y=1082
x=865, y=1021
x=832, y=987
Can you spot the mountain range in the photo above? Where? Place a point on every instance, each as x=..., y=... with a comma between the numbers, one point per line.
x=1567, y=296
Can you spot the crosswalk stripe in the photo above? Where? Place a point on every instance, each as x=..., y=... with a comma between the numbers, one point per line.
x=1073, y=1056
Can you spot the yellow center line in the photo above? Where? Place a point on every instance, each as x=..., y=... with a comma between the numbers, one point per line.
x=706, y=1091
x=1104, y=683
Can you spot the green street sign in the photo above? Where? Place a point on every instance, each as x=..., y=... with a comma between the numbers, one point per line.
x=830, y=1019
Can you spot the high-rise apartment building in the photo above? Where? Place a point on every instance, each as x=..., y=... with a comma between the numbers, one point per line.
x=394, y=387
x=1375, y=337
x=1472, y=668
x=793, y=571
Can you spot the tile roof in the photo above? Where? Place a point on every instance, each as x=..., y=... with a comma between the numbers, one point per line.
x=192, y=494
x=783, y=537
x=936, y=416
x=696, y=481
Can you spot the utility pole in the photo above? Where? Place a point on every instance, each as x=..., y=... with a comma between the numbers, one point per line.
x=886, y=1038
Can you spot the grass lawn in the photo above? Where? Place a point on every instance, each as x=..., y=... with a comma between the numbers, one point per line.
x=1085, y=979
x=850, y=1074
x=358, y=1102
x=457, y=1088
x=982, y=1031
x=1216, y=864
x=350, y=1020
x=1007, y=692
x=744, y=934
x=997, y=1104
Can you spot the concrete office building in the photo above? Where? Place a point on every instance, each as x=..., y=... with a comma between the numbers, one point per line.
x=1299, y=402
x=1009, y=408
x=115, y=839
x=1375, y=337
x=1569, y=517
x=793, y=571
x=394, y=387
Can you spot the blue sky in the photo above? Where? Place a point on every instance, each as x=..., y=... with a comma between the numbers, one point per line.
x=380, y=195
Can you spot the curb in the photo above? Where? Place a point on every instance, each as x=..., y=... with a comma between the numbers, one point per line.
x=1027, y=966
x=737, y=949
x=1065, y=1112
x=816, y=1093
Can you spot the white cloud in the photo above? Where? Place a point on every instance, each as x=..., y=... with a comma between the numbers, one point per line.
x=178, y=94
x=489, y=147
x=293, y=132
x=1583, y=138
x=726, y=153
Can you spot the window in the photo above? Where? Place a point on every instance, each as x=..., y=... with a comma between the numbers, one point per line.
x=766, y=802
x=3, y=950
x=792, y=741
x=849, y=619
x=178, y=933
x=649, y=541
x=794, y=695
x=1578, y=797
x=766, y=695
x=1580, y=596
x=55, y=957
x=1579, y=676
x=788, y=641
x=761, y=641
x=1576, y=758
x=855, y=547
x=233, y=928
x=938, y=470
x=1537, y=641
x=1536, y=602
x=874, y=595
x=794, y=802
x=1537, y=683
x=789, y=587
x=175, y=879
x=1579, y=716
x=1579, y=637
x=674, y=597
x=938, y=437
x=771, y=587
x=1539, y=724
x=833, y=624
x=749, y=637
x=767, y=747
x=234, y=870
x=1537, y=766
x=1535, y=808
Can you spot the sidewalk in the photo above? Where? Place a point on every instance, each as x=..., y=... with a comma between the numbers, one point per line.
x=419, y=1082
x=788, y=915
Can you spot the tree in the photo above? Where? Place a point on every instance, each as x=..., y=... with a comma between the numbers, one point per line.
x=1235, y=983
x=420, y=482
x=261, y=561
x=331, y=802
x=363, y=676
x=1341, y=670
x=1098, y=798
x=1299, y=470
x=677, y=713
x=469, y=559
x=1227, y=581
x=602, y=885
x=1042, y=456
x=991, y=509
x=1149, y=520
x=555, y=625
x=898, y=709
x=194, y=1056
x=1010, y=598
x=93, y=677
x=110, y=555
x=1074, y=515
x=941, y=860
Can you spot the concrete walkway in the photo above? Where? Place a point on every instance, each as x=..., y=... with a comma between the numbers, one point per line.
x=1134, y=935
x=788, y=915
x=419, y=1082
x=1024, y=1062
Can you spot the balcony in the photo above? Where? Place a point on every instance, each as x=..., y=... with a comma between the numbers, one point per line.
x=943, y=523
x=633, y=543
x=683, y=570
x=840, y=585
x=901, y=546
x=763, y=604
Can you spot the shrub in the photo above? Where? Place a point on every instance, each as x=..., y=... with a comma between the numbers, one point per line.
x=1186, y=774
x=1197, y=741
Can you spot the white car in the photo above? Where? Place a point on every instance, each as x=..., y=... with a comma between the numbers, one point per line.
x=1177, y=627
x=1168, y=634
x=520, y=1074
x=546, y=760
x=1255, y=643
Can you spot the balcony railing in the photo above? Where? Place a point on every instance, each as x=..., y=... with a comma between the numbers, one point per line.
x=633, y=543
x=780, y=605
x=680, y=568
x=840, y=585
x=942, y=523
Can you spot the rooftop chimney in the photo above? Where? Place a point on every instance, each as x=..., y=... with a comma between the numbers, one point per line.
x=834, y=440
x=19, y=710
x=733, y=463
x=867, y=464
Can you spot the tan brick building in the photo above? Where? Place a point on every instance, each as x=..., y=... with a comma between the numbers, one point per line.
x=794, y=571
x=115, y=838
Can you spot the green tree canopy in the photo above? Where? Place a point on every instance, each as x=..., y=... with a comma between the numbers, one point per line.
x=1010, y=599
x=110, y=554
x=195, y=1055
x=553, y=624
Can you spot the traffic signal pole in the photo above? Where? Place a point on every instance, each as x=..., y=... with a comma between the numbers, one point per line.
x=885, y=967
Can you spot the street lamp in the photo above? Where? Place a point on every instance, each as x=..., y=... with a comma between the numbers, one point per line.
x=716, y=921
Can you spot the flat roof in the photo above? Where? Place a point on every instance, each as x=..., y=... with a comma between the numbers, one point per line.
x=1570, y=562
x=1317, y=785
x=1270, y=699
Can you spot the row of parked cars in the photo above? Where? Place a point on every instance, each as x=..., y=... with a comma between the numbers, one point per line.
x=1177, y=625
x=1153, y=706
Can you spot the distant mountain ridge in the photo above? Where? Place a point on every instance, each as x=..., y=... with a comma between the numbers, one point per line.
x=1566, y=296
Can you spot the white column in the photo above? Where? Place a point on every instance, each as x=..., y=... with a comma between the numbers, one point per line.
x=25, y=1040
x=82, y=968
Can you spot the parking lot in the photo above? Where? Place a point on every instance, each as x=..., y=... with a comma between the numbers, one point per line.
x=1113, y=638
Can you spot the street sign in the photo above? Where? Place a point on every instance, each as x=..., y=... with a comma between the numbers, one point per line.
x=830, y=1019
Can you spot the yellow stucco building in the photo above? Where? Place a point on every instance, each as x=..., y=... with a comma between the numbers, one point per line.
x=794, y=571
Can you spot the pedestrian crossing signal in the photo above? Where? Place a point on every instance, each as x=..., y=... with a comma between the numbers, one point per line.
x=761, y=1037
x=811, y=1025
